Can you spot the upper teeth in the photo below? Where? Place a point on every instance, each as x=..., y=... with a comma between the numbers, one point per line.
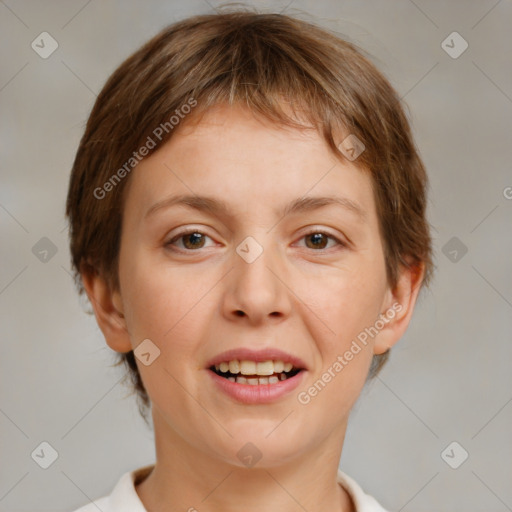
x=253, y=368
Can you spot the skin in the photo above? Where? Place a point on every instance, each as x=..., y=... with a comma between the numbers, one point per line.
x=307, y=300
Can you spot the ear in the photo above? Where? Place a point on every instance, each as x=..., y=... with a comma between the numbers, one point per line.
x=398, y=307
x=108, y=309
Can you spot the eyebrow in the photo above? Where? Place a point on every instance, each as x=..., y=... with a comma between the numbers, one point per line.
x=220, y=208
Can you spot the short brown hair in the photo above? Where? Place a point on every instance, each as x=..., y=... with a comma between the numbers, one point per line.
x=261, y=61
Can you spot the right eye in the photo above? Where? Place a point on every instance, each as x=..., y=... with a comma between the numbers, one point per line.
x=192, y=239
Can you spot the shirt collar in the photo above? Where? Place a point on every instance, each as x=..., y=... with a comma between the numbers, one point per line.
x=124, y=497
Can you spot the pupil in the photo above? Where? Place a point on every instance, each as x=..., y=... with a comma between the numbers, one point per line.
x=317, y=239
x=194, y=238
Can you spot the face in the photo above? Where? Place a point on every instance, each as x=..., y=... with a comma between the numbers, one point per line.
x=260, y=277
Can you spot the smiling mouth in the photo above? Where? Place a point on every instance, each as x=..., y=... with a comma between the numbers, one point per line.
x=255, y=373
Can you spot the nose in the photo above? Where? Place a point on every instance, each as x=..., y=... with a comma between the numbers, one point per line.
x=257, y=290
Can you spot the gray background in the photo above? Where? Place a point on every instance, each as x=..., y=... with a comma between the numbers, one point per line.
x=448, y=379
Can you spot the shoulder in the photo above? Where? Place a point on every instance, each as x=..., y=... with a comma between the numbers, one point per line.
x=123, y=497
x=363, y=502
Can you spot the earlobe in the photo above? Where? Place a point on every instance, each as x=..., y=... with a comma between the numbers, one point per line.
x=107, y=306
x=398, y=307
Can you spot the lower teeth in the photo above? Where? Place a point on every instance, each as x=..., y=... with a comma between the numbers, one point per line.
x=255, y=381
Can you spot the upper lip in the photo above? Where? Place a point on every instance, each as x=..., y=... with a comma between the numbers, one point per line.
x=265, y=354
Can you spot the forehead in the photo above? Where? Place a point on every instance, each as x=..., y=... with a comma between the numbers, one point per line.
x=231, y=153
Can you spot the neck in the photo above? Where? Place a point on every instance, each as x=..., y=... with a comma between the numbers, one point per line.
x=186, y=479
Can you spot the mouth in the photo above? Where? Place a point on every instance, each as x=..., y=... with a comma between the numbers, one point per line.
x=256, y=376
x=255, y=373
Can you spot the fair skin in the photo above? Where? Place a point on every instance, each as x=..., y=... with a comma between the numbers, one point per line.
x=308, y=300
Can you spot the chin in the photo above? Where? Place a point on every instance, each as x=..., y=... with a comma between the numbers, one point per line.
x=259, y=446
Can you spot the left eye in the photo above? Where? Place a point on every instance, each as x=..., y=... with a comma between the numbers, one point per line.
x=195, y=239
x=319, y=239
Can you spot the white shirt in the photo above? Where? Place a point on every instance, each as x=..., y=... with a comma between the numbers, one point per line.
x=124, y=497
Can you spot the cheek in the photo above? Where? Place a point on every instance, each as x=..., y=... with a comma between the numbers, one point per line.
x=155, y=295
x=167, y=304
x=347, y=306
x=162, y=304
x=352, y=307
x=347, y=301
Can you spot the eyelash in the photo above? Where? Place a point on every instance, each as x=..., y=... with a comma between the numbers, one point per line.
x=193, y=231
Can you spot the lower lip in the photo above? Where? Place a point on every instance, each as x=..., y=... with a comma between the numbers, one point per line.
x=259, y=393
